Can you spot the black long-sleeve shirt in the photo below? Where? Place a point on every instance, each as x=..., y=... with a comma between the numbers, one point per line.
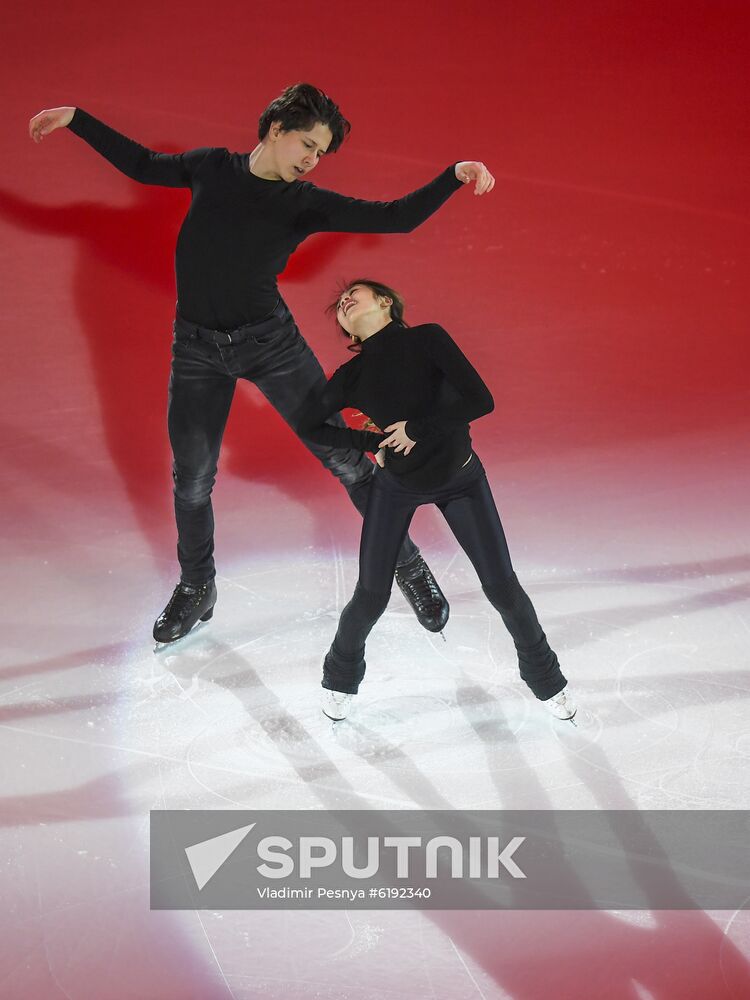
x=418, y=374
x=241, y=229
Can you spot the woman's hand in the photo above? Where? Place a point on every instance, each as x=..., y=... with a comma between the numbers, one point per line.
x=47, y=121
x=472, y=170
x=399, y=440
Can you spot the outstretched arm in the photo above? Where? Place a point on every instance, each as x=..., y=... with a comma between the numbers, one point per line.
x=332, y=212
x=136, y=161
x=310, y=419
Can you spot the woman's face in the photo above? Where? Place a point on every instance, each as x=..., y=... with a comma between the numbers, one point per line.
x=358, y=301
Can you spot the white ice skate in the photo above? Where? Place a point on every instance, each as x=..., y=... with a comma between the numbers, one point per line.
x=336, y=704
x=561, y=705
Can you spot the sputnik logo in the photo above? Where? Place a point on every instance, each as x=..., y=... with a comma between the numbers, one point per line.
x=207, y=857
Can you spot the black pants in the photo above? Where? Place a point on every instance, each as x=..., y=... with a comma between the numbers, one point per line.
x=466, y=503
x=205, y=367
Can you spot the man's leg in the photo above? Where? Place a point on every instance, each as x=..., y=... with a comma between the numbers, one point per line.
x=473, y=518
x=286, y=379
x=200, y=395
x=290, y=373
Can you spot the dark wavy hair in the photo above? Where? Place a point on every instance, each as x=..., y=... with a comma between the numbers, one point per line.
x=300, y=107
x=397, y=303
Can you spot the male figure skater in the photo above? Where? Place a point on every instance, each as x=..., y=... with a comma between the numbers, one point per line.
x=248, y=213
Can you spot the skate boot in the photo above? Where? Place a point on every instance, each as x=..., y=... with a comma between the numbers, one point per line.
x=187, y=605
x=336, y=704
x=561, y=705
x=421, y=590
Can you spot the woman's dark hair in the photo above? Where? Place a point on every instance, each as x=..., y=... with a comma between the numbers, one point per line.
x=300, y=107
x=397, y=303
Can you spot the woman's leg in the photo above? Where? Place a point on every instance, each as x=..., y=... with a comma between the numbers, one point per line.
x=386, y=523
x=473, y=518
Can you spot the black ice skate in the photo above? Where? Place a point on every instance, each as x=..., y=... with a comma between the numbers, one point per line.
x=421, y=590
x=187, y=605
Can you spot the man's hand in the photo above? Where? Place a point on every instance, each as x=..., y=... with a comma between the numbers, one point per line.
x=47, y=121
x=399, y=440
x=472, y=170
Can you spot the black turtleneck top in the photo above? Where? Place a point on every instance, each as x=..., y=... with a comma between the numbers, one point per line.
x=240, y=229
x=417, y=374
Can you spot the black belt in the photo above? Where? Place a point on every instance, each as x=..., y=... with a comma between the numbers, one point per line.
x=239, y=334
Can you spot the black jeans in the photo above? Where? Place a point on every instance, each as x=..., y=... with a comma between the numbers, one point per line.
x=466, y=503
x=205, y=367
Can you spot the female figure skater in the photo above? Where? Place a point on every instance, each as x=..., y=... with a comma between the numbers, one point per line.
x=417, y=385
x=248, y=213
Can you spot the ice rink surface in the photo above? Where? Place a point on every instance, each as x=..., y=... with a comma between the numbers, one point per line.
x=650, y=621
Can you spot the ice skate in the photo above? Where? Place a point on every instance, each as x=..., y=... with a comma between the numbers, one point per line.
x=336, y=704
x=561, y=705
x=187, y=605
x=421, y=590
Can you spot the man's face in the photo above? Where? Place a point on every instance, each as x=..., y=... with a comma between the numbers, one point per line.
x=298, y=151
